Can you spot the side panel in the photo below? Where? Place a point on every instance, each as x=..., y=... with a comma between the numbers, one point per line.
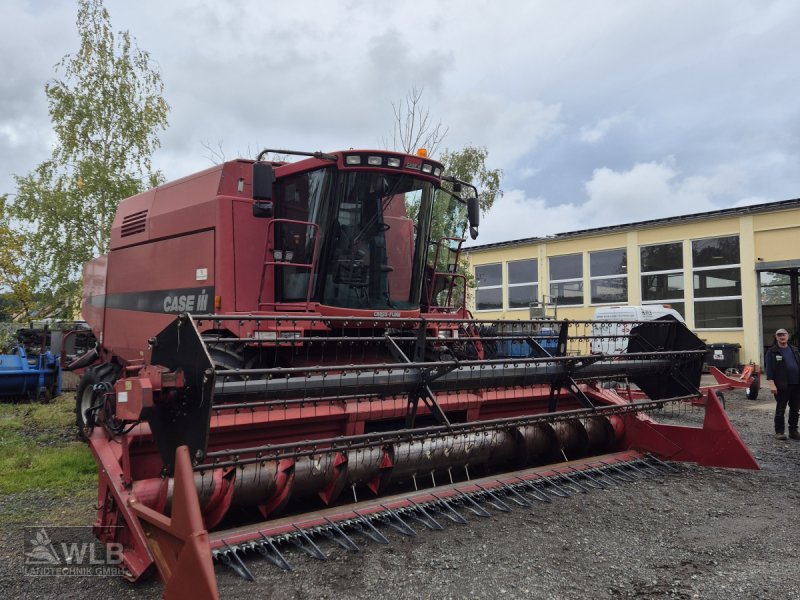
x=149, y=284
x=94, y=294
x=249, y=245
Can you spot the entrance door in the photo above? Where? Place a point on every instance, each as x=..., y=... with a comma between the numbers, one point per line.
x=779, y=301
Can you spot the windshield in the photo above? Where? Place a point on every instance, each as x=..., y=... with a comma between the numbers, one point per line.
x=374, y=256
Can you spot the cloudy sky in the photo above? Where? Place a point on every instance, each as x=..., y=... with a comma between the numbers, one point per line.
x=598, y=112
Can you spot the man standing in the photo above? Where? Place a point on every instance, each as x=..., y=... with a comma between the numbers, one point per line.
x=782, y=362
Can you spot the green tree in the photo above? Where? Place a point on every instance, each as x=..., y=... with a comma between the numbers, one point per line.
x=107, y=109
x=414, y=128
x=467, y=165
x=18, y=269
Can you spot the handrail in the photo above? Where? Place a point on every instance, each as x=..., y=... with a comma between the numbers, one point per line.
x=270, y=248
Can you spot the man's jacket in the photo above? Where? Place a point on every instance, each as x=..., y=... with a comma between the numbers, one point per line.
x=775, y=367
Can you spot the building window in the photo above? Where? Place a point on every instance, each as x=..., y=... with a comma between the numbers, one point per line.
x=608, y=274
x=489, y=287
x=662, y=275
x=566, y=279
x=717, y=283
x=523, y=283
x=776, y=289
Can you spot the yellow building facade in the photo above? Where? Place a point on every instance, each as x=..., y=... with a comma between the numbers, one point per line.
x=732, y=274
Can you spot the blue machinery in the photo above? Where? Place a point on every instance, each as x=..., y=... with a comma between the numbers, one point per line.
x=29, y=375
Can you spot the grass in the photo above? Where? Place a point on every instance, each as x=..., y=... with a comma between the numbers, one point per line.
x=39, y=451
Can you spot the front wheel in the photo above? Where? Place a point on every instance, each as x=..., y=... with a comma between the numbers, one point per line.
x=90, y=395
x=753, y=388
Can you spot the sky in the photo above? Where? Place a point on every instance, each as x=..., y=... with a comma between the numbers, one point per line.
x=598, y=112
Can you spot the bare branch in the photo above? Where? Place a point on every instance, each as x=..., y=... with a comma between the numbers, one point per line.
x=413, y=127
x=215, y=155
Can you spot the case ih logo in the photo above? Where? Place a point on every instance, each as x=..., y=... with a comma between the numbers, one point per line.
x=175, y=303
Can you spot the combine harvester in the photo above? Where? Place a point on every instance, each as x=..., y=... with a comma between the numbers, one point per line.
x=286, y=358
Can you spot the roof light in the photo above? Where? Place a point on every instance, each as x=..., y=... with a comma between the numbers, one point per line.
x=426, y=168
x=375, y=160
x=422, y=152
x=353, y=159
x=437, y=171
x=393, y=162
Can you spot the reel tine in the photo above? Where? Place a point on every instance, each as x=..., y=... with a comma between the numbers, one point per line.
x=535, y=490
x=424, y=517
x=365, y=527
x=397, y=523
x=556, y=489
x=515, y=496
x=602, y=476
x=231, y=559
x=588, y=479
x=474, y=507
x=619, y=472
x=662, y=463
x=648, y=469
x=494, y=501
x=635, y=471
x=307, y=545
x=574, y=483
x=337, y=534
x=448, y=511
x=268, y=550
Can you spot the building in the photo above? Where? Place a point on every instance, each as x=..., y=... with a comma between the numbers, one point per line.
x=732, y=274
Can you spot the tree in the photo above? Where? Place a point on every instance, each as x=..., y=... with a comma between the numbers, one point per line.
x=18, y=269
x=106, y=112
x=468, y=165
x=413, y=128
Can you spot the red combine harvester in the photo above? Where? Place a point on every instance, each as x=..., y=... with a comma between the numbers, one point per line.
x=284, y=355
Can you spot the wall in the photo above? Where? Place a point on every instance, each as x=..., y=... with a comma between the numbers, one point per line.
x=765, y=237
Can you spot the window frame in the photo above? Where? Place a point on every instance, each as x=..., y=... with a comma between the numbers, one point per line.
x=499, y=286
x=622, y=276
x=696, y=300
x=680, y=271
x=510, y=285
x=579, y=280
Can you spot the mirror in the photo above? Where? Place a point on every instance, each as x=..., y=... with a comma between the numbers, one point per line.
x=263, y=178
x=474, y=215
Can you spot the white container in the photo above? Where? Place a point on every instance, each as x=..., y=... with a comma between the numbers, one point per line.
x=627, y=317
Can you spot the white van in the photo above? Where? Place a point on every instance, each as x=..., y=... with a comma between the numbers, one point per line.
x=616, y=340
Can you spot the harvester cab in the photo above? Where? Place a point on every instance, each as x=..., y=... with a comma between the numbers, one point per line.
x=277, y=337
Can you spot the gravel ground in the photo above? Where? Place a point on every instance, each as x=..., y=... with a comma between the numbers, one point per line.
x=697, y=533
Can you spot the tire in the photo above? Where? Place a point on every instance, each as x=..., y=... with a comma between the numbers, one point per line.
x=85, y=394
x=45, y=396
x=753, y=388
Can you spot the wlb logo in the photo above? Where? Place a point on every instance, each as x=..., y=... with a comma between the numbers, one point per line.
x=65, y=552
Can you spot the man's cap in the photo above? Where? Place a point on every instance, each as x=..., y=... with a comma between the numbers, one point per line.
x=780, y=331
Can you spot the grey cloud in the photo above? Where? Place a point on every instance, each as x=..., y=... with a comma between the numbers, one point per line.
x=711, y=84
